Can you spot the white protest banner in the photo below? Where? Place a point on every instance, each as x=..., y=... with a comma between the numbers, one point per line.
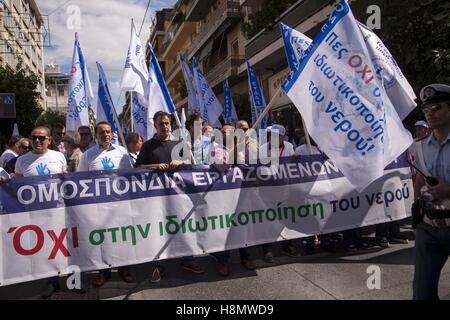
x=80, y=91
x=344, y=105
x=99, y=220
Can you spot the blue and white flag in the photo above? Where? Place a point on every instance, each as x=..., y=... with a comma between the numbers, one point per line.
x=139, y=113
x=80, y=91
x=210, y=107
x=159, y=97
x=257, y=101
x=105, y=106
x=229, y=110
x=344, y=104
x=135, y=73
x=295, y=45
x=193, y=104
x=388, y=71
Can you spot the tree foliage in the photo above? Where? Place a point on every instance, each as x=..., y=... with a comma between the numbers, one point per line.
x=24, y=86
x=50, y=118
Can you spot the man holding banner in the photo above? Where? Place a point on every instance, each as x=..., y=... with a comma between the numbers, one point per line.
x=41, y=161
x=106, y=156
x=159, y=153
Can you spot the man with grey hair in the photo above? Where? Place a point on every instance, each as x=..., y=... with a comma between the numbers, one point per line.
x=73, y=151
x=86, y=140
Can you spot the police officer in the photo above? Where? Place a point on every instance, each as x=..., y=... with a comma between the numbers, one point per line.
x=432, y=156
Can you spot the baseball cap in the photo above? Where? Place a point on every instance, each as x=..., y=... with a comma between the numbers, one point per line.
x=435, y=92
x=421, y=123
x=279, y=127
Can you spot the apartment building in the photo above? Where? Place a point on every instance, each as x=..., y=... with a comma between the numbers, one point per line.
x=21, y=39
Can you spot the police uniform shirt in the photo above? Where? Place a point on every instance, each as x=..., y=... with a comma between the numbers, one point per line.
x=31, y=164
x=437, y=160
x=97, y=158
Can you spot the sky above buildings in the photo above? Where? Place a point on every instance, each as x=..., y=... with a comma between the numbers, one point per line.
x=104, y=32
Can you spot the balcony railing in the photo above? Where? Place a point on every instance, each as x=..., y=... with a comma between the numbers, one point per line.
x=224, y=69
x=227, y=9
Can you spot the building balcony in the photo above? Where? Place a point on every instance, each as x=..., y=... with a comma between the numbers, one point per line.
x=251, y=3
x=223, y=70
x=198, y=9
x=223, y=17
x=296, y=14
x=176, y=38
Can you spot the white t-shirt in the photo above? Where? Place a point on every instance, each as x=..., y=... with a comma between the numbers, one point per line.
x=286, y=151
x=3, y=173
x=31, y=164
x=304, y=150
x=6, y=156
x=97, y=158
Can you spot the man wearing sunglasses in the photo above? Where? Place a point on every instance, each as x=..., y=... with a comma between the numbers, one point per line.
x=58, y=133
x=41, y=161
x=432, y=156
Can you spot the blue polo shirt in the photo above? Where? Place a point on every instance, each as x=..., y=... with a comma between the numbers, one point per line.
x=436, y=156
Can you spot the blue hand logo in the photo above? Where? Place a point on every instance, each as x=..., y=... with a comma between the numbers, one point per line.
x=107, y=163
x=42, y=170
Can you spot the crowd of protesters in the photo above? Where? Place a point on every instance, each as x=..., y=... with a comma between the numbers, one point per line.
x=56, y=151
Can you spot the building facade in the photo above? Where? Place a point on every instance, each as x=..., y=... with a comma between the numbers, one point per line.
x=21, y=39
x=56, y=88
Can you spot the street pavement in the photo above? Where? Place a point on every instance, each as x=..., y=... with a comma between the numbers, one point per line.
x=322, y=275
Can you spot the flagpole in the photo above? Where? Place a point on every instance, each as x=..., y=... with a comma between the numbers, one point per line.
x=131, y=111
x=266, y=109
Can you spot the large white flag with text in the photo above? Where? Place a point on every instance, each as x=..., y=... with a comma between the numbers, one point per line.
x=344, y=104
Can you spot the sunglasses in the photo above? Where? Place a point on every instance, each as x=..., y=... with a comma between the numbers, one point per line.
x=60, y=133
x=25, y=147
x=433, y=108
x=40, y=138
